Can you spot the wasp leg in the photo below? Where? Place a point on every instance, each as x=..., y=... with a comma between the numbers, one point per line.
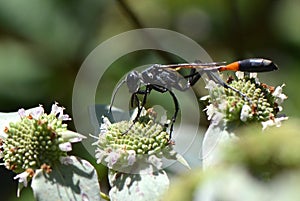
x=142, y=105
x=175, y=100
x=218, y=80
x=134, y=98
x=193, y=77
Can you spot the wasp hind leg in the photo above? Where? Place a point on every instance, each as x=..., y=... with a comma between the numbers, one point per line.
x=176, y=104
x=218, y=80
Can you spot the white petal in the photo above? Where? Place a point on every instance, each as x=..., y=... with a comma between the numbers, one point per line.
x=245, y=113
x=22, y=177
x=66, y=160
x=223, y=105
x=104, y=126
x=204, y=98
x=217, y=118
x=278, y=90
x=280, y=98
x=157, y=162
x=64, y=117
x=276, y=122
x=22, y=112
x=100, y=154
x=131, y=157
x=56, y=109
x=239, y=74
x=210, y=111
x=253, y=75
x=59, y=110
x=37, y=112
x=71, y=136
x=211, y=85
x=112, y=159
x=66, y=146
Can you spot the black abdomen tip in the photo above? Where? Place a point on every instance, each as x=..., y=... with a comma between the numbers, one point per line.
x=257, y=65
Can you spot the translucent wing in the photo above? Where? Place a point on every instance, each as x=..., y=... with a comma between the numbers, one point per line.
x=196, y=65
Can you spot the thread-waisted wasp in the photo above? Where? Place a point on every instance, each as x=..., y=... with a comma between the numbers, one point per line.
x=164, y=78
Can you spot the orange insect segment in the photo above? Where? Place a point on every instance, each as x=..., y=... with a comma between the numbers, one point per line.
x=231, y=67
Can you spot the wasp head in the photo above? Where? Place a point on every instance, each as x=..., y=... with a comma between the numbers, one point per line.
x=133, y=81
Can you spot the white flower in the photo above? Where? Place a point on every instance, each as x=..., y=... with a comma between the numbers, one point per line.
x=253, y=75
x=100, y=154
x=37, y=112
x=22, y=112
x=223, y=105
x=239, y=74
x=210, y=111
x=245, y=112
x=214, y=114
x=66, y=146
x=204, y=98
x=280, y=97
x=217, y=118
x=131, y=157
x=157, y=162
x=112, y=159
x=211, y=85
x=60, y=111
x=22, y=178
x=104, y=126
x=273, y=122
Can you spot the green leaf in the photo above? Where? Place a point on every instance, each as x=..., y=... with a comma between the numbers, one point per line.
x=138, y=187
x=76, y=181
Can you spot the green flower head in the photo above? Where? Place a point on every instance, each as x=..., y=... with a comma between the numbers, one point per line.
x=256, y=102
x=126, y=146
x=36, y=141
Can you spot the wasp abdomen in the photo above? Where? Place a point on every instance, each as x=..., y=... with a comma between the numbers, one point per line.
x=257, y=65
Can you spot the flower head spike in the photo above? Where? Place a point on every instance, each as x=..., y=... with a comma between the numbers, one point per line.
x=35, y=139
x=256, y=102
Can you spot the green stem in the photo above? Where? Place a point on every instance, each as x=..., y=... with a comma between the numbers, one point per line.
x=104, y=196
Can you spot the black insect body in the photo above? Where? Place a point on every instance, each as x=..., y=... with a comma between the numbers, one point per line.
x=165, y=78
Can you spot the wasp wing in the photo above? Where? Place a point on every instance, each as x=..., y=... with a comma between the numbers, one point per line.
x=196, y=65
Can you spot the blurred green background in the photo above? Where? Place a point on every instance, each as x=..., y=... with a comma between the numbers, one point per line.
x=43, y=44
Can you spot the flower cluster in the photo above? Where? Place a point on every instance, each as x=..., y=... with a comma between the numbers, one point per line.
x=256, y=102
x=125, y=144
x=36, y=141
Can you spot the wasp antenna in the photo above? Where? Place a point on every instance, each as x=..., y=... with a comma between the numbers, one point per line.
x=114, y=94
